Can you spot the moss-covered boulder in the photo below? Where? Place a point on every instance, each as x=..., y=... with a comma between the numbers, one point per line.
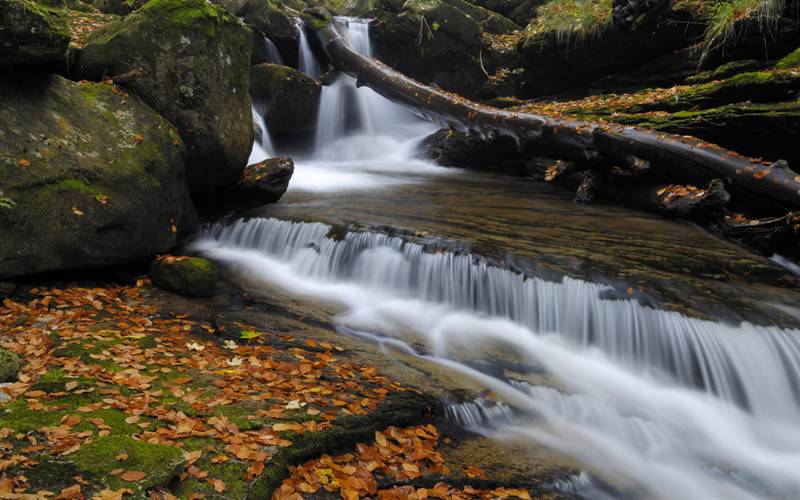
x=96, y=177
x=571, y=43
x=190, y=276
x=190, y=61
x=156, y=464
x=288, y=100
x=120, y=7
x=269, y=18
x=792, y=60
x=33, y=33
x=489, y=21
x=9, y=365
x=432, y=41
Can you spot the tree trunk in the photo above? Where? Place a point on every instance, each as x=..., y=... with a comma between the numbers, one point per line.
x=770, y=188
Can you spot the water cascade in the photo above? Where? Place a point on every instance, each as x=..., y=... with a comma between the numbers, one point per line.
x=363, y=141
x=262, y=143
x=668, y=402
x=273, y=54
x=306, y=60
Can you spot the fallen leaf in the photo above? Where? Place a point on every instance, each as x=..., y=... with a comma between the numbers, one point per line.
x=133, y=476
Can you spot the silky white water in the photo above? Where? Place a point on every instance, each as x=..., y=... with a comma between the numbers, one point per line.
x=679, y=407
x=306, y=60
x=665, y=405
x=262, y=144
x=363, y=141
x=273, y=55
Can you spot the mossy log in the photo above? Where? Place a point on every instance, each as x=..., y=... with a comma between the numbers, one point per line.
x=599, y=146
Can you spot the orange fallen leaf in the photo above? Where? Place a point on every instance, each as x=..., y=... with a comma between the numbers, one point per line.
x=133, y=475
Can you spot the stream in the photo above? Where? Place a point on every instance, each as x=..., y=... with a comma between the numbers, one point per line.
x=664, y=360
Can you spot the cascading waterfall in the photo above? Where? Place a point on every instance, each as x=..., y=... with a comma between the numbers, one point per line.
x=273, y=54
x=678, y=406
x=306, y=60
x=361, y=134
x=262, y=143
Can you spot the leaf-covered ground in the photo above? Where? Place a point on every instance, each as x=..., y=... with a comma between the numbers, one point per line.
x=117, y=398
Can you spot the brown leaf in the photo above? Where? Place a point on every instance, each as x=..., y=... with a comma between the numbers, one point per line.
x=133, y=475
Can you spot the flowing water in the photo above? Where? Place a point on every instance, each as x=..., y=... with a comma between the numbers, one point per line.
x=658, y=356
x=307, y=62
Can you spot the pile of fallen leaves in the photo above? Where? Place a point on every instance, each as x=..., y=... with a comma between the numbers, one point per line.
x=83, y=24
x=172, y=381
x=380, y=469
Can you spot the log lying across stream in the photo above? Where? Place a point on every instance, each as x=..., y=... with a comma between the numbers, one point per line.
x=595, y=148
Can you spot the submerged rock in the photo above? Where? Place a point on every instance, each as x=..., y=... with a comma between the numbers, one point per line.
x=94, y=177
x=9, y=365
x=33, y=33
x=190, y=61
x=191, y=276
x=289, y=101
x=266, y=181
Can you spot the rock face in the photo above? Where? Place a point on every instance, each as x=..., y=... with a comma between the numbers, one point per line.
x=559, y=58
x=33, y=33
x=191, y=276
x=271, y=19
x=266, y=181
x=9, y=365
x=94, y=177
x=289, y=101
x=189, y=60
x=432, y=41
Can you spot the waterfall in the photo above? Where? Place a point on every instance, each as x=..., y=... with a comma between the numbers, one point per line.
x=262, y=143
x=307, y=62
x=348, y=113
x=678, y=406
x=273, y=54
x=360, y=134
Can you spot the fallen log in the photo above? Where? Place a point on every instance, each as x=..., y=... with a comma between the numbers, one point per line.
x=770, y=187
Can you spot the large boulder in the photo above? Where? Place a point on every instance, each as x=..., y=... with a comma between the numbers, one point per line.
x=93, y=177
x=289, y=101
x=33, y=33
x=271, y=19
x=190, y=61
x=432, y=41
x=565, y=50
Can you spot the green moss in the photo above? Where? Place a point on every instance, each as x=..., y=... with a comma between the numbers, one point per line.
x=567, y=20
x=54, y=17
x=9, y=365
x=790, y=61
x=96, y=461
x=188, y=276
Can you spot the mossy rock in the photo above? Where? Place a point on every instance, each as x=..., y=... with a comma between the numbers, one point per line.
x=271, y=19
x=754, y=86
x=9, y=365
x=33, y=33
x=264, y=182
x=446, y=52
x=770, y=131
x=96, y=176
x=790, y=61
x=190, y=276
x=120, y=7
x=95, y=462
x=725, y=71
x=490, y=22
x=190, y=61
x=289, y=100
